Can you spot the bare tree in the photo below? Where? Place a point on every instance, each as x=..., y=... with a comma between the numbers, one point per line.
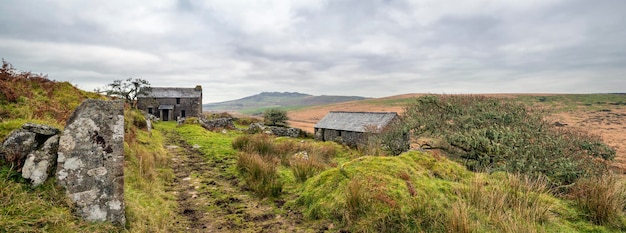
x=129, y=89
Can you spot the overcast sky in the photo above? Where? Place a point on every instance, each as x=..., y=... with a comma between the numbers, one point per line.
x=366, y=48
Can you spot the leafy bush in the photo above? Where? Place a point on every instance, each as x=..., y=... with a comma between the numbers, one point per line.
x=493, y=134
x=275, y=117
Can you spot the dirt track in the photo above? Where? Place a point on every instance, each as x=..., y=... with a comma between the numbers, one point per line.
x=212, y=201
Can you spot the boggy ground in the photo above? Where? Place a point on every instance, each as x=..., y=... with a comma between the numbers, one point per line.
x=212, y=200
x=609, y=124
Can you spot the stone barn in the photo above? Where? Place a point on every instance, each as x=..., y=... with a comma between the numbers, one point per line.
x=169, y=103
x=349, y=127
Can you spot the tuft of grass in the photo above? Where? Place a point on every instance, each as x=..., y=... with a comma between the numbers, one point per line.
x=304, y=168
x=357, y=200
x=260, y=175
x=513, y=203
x=304, y=159
x=257, y=143
x=460, y=219
x=603, y=200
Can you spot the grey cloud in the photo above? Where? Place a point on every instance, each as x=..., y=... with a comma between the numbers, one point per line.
x=348, y=47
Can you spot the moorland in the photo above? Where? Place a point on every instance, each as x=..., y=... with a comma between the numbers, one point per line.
x=184, y=178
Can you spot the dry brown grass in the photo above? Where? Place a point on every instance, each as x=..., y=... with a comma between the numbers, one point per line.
x=602, y=198
x=514, y=205
x=260, y=174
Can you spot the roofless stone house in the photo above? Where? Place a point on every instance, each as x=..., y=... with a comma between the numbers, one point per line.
x=169, y=103
x=349, y=127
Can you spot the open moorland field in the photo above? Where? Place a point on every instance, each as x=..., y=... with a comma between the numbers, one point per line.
x=600, y=114
x=185, y=178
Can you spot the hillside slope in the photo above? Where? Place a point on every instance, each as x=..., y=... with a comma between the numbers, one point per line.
x=32, y=97
x=257, y=103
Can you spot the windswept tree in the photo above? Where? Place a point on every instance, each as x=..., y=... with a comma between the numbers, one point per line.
x=275, y=117
x=495, y=134
x=128, y=89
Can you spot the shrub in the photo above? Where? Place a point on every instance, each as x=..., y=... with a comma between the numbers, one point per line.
x=490, y=133
x=275, y=117
x=261, y=176
x=603, y=199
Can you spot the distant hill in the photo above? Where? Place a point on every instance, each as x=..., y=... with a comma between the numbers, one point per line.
x=256, y=104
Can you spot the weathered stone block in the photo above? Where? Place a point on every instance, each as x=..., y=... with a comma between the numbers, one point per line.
x=39, y=164
x=17, y=146
x=41, y=129
x=23, y=142
x=90, y=163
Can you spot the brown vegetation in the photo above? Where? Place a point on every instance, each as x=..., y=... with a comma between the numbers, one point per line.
x=33, y=96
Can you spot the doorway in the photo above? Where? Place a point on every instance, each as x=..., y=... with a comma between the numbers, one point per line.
x=165, y=114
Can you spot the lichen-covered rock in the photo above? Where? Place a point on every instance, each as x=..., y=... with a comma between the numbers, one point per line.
x=17, y=146
x=39, y=164
x=90, y=164
x=24, y=141
x=41, y=129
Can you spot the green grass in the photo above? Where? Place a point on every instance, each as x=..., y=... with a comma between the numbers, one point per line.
x=412, y=192
x=418, y=192
x=149, y=208
x=41, y=209
x=214, y=145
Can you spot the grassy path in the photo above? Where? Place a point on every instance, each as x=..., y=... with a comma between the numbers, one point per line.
x=209, y=194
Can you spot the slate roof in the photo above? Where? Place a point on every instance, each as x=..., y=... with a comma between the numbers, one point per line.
x=355, y=121
x=173, y=92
